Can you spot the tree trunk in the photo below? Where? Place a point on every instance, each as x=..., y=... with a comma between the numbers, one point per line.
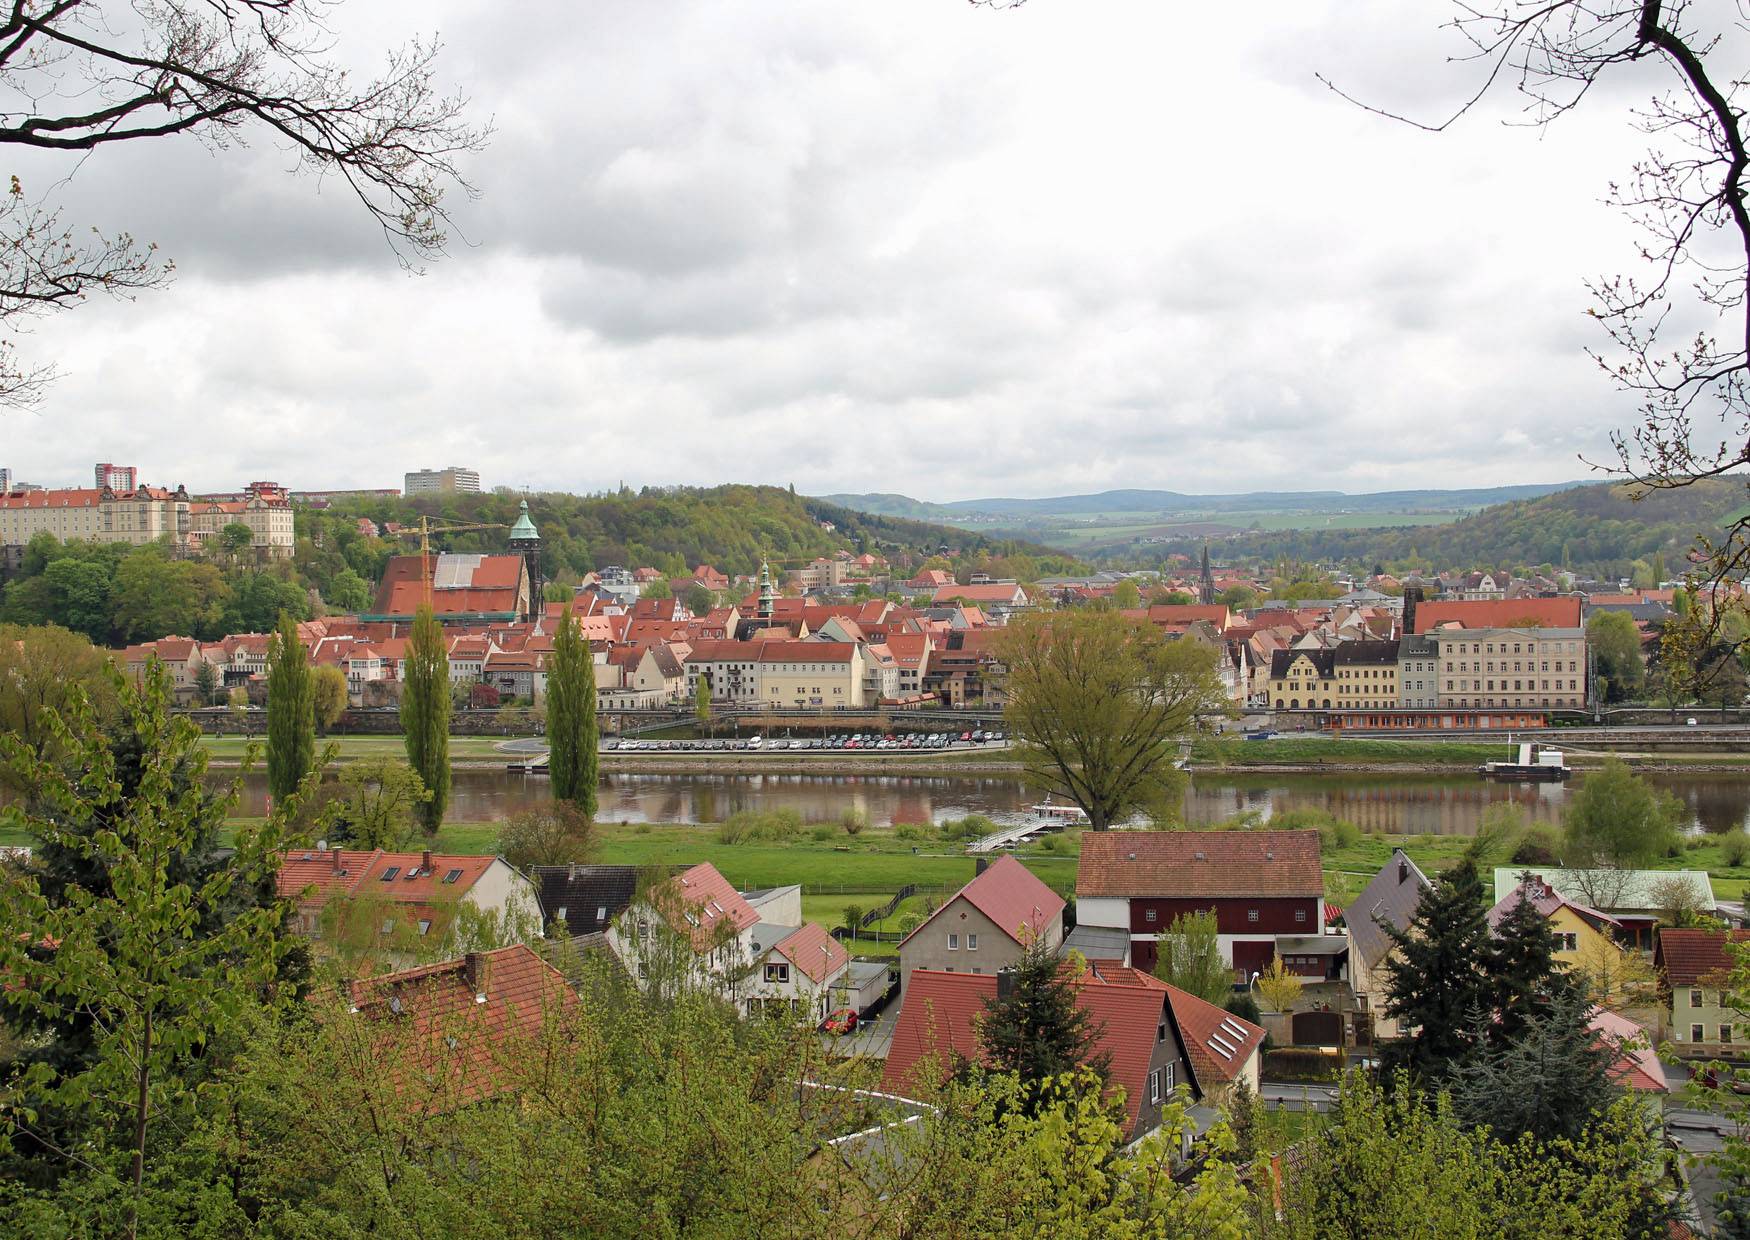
x=142, y=1104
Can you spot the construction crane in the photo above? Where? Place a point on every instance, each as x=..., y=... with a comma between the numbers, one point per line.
x=424, y=532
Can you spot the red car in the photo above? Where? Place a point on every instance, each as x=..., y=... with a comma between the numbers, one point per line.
x=842, y=1021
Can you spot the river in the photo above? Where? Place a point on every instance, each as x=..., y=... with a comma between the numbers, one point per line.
x=1392, y=804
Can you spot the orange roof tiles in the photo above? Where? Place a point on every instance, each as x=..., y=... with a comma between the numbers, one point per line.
x=464, y=1017
x=1553, y=613
x=1200, y=864
x=814, y=951
x=1691, y=957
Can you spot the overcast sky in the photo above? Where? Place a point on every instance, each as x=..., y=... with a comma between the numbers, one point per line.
x=879, y=245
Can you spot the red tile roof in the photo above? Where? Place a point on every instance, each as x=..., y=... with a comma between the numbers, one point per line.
x=1546, y=900
x=707, y=901
x=466, y=1017
x=1014, y=899
x=938, y=1025
x=349, y=872
x=493, y=587
x=1200, y=864
x=1549, y=613
x=1637, y=1064
x=995, y=592
x=804, y=949
x=1692, y=957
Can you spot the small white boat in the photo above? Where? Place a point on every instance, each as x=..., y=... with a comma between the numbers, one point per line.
x=1060, y=813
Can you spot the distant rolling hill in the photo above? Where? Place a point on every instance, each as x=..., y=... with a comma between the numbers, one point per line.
x=1175, y=503
x=1596, y=528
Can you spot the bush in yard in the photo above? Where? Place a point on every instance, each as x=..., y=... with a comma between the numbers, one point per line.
x=854, y=821
x=1541, y=844
x=1735, y=847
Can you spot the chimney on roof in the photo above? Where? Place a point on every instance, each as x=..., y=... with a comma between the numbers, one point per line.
x=1005, y=983
x=477, y=969
x=1403, y=870
x=334, y=859
x=979, y=867
x=571, y=872
x=425, y=861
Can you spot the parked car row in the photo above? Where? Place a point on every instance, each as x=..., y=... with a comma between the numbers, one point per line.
x=913, y=741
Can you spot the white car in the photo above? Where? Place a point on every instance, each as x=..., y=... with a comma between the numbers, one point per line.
x=754, y=742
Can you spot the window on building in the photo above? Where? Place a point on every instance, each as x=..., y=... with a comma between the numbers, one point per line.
x=778, y=972
x=1154, y=1085
x=1251, y=914
x=1695, y=999
x=1300, y=914
x=1567, y=942
x=1697, y=1034
x=1725, y=1035
x=972, y=942
x=1148, y=914
x=953, y=942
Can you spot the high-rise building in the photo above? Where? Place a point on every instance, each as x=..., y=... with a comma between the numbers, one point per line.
x=5, y=480
x=436, y=481
x=116, y=477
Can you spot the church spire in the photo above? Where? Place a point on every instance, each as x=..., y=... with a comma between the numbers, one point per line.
x=1207, y=583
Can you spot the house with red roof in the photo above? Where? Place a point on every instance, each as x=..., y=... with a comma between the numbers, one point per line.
x=1262, y=886
x=799, y=971
x=996, y=597
x=692, y=930
x=987, y=924
x=461, y=1029
x=1695, y=967
x=462, y=589
x=1562, y=612
x=398, y=897
x=1157, y=1040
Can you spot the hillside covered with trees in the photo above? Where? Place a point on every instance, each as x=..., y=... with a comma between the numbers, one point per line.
x=115, y=594
x=1599, y=530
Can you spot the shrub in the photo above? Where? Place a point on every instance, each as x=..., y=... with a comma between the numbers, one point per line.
x=968, y=828
x=854, y=821
x=732, y=830
x=1301, y=1065
x=1735, y=847
x=908, y=831
x=821, y=834
x=1242, y=1005
x=1541, y=844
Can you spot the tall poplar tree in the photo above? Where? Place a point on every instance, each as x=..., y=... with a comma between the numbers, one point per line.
x=291, y=711
x=425, y=714
x=571, y=732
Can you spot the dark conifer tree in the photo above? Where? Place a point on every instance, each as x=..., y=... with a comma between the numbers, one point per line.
x=1033, y=1027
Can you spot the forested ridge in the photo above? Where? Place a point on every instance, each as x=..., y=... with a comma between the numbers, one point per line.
x=1598, y=529
x=115, y=594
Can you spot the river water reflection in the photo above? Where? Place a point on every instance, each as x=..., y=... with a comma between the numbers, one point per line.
x=1393, y=804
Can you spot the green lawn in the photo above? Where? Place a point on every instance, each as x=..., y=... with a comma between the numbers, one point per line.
x=1314, y=749
x=352, y=748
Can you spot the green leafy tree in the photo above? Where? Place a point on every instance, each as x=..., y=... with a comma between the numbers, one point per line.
x=1437, y=982
x=234, y=539
x=138, y=954
x=328, y=696
x=1280, y=986
x=1036, y=1031
x=851, y=920
x=558, y=833
x=1617, y=819
x=1616, y=645
x=348, y=592
x=573, y=761
x=375, y=804
x=425, y=714
x=1189, y=957
x=154, y=596
x=1126, y=596
x=702, y=703
x=291, y=718
x=1099, y=704
x=256, y=601
x=657, y=589
x=699, y=600
x=40, y=669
